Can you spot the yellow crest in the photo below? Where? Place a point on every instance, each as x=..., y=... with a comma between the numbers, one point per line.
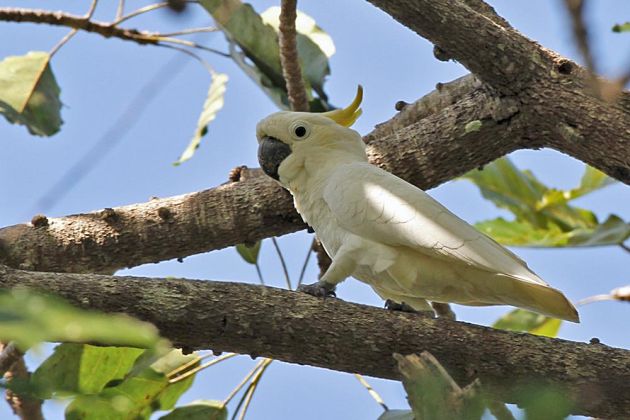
x=348, y=115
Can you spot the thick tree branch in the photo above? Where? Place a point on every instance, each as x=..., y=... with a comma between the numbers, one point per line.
x=427, y=153
x=472, y=33
x=298, y=328
x=25, y=407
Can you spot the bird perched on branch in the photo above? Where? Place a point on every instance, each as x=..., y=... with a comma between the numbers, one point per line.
x=386, y=232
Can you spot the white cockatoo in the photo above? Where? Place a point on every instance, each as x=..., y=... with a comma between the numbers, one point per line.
x=386, y=232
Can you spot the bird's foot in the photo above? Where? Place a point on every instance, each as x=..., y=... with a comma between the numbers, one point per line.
x=321, y=290
x=390, y=305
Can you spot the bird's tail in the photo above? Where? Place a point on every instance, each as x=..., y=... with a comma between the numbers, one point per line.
x=542, y=299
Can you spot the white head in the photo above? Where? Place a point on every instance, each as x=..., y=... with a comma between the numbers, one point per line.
x=289, y=141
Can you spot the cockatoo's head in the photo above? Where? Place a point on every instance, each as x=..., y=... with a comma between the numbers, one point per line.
x=291, y=142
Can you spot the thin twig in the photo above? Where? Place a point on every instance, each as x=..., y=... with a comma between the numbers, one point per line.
x=91, y=10
x=249, y=393
x=161, y=38
x=143, y=10
x=63, y=41
x=624, y=246
x=120, y=11
x=289, y=57
x=580, y=32
x=191, y=31
x=306, y=260
x=241, y=384
x=77, y=22
x=371, y=391
x=73, y=31
x=260, y=276
x=591, y=299
x=201, y=367
x=203, y=62
x=282, y=262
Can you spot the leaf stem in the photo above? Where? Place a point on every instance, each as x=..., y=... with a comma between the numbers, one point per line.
x=283, y=263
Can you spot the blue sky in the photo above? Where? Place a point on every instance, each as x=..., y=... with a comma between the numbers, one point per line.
x=99, y=78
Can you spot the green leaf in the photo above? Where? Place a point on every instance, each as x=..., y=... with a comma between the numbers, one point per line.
x=397, y=415
x=38, y=318
x=592, y=180
x=29, y=94
x=508, y=188
x=258, y=42
x=515, y=233
x=527, y=321
x=138, y=395
x=543, y=215
x=621, y=27
x=249, y=253
x=613, y=231
x=199, y=410
x=473, y=126
x=82, y=369
x=212, y=105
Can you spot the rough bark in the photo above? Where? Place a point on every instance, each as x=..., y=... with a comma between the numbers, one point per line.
x=253, y=207
x=83, y=23
x=560, y=106
x=298, y=328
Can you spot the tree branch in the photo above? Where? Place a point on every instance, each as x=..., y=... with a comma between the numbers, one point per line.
x=334, y=334
x=289, y=57
x=83, y=23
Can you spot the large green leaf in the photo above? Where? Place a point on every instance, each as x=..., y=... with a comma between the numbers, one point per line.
x=527, y=321
x=29, y=94
x=543, y=216
x=199, y=410
x=249, y=253
x=29, y=318
x=82, y=369
x=137, y=395
x=613, y=231
x=212, y=105
x=258, y=41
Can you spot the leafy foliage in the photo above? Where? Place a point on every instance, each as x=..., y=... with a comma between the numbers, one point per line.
x=621, y=27
x=249, y=253
x=543, y=215
x=212, y=105
x=531, y=322
x=142, y=392
x=198, y=410
x=29, y=94
x=257, y=39
x=29, y=318
x=77, y=369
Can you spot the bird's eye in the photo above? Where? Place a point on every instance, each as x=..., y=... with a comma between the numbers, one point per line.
x=300, y=131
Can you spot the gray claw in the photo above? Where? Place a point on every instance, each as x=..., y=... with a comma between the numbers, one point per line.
x=320, y=290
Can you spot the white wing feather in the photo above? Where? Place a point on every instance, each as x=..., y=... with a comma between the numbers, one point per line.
x=377, y=205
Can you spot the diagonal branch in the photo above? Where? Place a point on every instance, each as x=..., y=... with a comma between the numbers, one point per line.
x=301, y=329
x=83, y=23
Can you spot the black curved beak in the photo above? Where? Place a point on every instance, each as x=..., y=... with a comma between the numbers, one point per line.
x=271, y=153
